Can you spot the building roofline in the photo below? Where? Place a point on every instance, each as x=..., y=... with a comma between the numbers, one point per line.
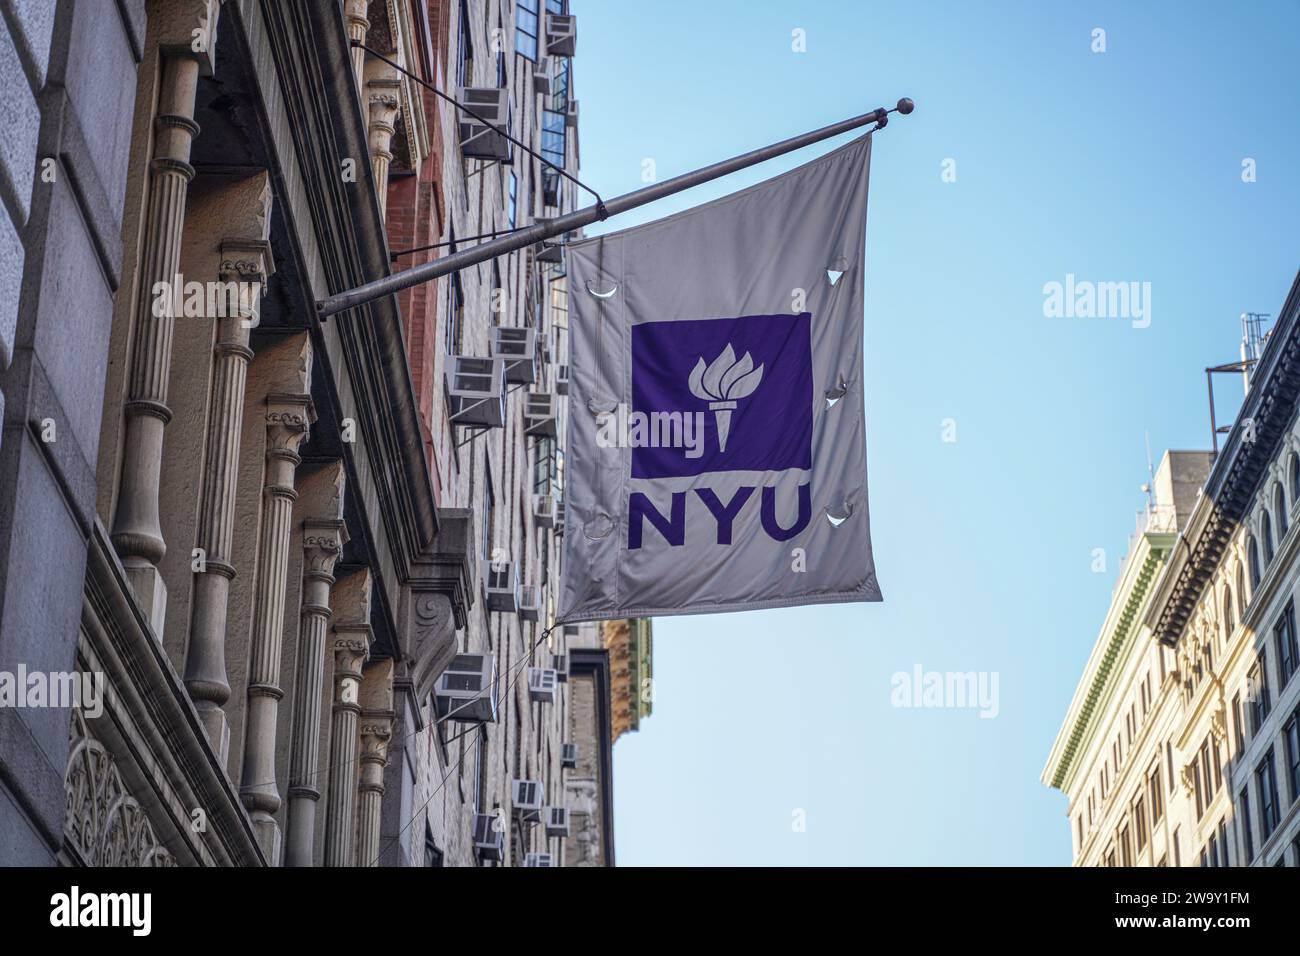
x=1235, y=476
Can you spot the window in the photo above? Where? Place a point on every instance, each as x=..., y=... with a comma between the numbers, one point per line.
x=1266, y=780
x=1291, y=736
x=501, y=54
x=1236, y=723
x=1125, y=850
x=465, y=44
x=1229, y=622
x=1257, y=694
x=1252, y=557
x=1155, y=794
x=1284, y=632
x=455, y=311
x=489, y=503
x=527, y=28
x=1279, y=509
x=1223, y=842
x=512, y=211
x=1241, y=593
x=1079, y=829
x=1211, y=850
x=1197, y=789
x=1294, y=472
x=553, y=137
x=1266, y=535
x=1140, y=823
x=432, y=855
x=560, y=86
x=1247, y=840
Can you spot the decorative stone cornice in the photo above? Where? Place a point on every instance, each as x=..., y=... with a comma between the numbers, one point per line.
x=1126, y=625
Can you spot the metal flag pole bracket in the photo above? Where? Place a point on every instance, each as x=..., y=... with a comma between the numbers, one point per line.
x=600, y=211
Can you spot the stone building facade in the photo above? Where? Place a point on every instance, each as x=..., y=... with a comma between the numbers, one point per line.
x=257, y=538
x=1182, y=744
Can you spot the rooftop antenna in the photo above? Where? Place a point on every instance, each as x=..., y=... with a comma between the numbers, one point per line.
x=1150, y=486
x=1253, y=340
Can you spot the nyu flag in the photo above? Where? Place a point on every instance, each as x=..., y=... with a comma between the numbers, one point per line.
x=717, y=448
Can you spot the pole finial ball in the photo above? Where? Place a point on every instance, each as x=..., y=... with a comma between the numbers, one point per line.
x=905, y=106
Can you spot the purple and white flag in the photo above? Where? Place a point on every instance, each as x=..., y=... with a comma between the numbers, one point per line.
x=716, y=439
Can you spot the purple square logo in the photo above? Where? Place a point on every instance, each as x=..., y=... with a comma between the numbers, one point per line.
x=721, y=395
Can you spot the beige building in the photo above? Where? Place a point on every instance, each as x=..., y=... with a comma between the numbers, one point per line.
x=1181, y=746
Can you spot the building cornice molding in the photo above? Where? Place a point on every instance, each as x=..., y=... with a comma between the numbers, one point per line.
x=1237, y=475
x=1116, y=638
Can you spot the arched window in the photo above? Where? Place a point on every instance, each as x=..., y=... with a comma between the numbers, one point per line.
x=1241, y=592
x=1279, y=509
x=1295, y=477
x=1252, y=558
x=1229, y=622
x=1266, y=536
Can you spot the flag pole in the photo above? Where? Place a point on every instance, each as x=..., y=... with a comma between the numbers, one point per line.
x=548, y=228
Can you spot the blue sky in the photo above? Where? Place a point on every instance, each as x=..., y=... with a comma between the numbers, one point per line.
x=1116, y=166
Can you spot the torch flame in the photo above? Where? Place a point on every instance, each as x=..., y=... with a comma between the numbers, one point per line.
x=723, y=381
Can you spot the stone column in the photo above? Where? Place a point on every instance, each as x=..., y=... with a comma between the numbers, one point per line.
x=351, y=645
x=322, y=540
x=376, y=735
x=248, y=262
x=187, y=38
x=355, y=12
x=288, y=418
x=382, y=86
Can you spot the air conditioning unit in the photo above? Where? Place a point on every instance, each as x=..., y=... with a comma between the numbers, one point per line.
x=561, y=380
x=467, y=690
x=503, y=587
x=559, y=518
x=571, y=115
x=517, y=349
x=544, y=510
x=561, y=34
x=530, y=602
x=477, y=390
x=541, y=685
x=526, y=800
x=557, y=821
x=560, y=664
x=539, y=859
x=539, y=414
x=550, y=251
x=571, y=630
x=542, y=76
x=550, y=187
x=489, y=842
x=569, y=756
x=478, y=141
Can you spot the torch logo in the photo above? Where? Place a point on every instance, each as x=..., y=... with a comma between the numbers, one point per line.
x=721, y=383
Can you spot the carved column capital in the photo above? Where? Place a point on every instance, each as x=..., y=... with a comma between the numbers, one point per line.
x=189, y=28
x=322, y=544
